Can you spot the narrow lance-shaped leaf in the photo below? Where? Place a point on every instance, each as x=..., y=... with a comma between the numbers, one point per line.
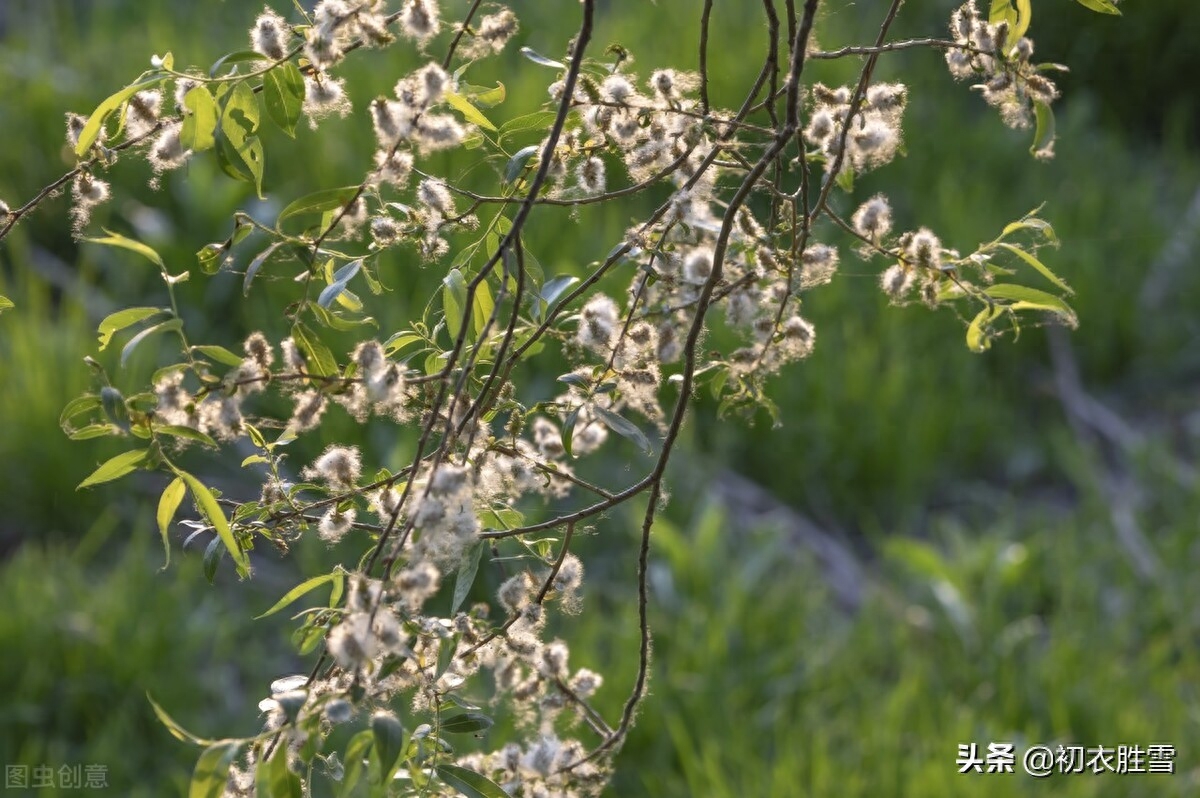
x=118, y=240
x=318, y=202
x=517, y=163
x=168, y=504
x=115, y=322
x=466, y=723
x=321, y=361
x=274, y=779
x=470, y=112
x=1039, y=266
x=481, y=310
x=978, y=339
x=470, y=783
x=1101, y=6
x=257, y=264
x=212, y=511
x=212, y=770
x=466, y=576
x=1043, y=133
x=91, y=130
x=201, y=123
x=356, y=753
x=177, y=731
x=299, y=590
x=389, y=742
x=623, y=427
x=454, y=300
x=170, y=325
x=283, y=94
x=343, y=276
x=116, y=467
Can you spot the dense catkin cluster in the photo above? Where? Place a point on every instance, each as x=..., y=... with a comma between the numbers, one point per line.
x=862, y=138
x=1009, y=81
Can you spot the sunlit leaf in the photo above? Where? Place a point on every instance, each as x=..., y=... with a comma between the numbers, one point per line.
x=201, y=123
x=454, y=301
x=283, y=95
x=300, y=590
x=470, y=112
x=168, y=503
x=216, y=517
x=116, y=467
x=91, y=130
x=170, y=325
x=114, y=322
x=118, y=240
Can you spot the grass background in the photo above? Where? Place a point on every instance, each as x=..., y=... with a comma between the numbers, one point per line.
x=998, y=604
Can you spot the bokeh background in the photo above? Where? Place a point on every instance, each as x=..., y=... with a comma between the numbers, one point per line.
x=933, y=548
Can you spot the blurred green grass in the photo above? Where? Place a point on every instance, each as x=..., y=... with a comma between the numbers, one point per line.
x=761, y=688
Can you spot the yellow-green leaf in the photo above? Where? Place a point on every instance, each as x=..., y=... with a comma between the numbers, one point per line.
x=212, y=511
x=118, y=240
x=168, y=503
x=335, y=576
x=1039, y=266
x=201, y=123
x=116, y=467
x=470, y=112
x=91, y=130
x=114, y=322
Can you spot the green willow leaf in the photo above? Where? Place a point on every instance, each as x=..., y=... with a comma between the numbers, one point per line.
x=466, y=576
x=623, y=427
x=257, y=264
x=481, y=310
x=469, y=112
x=212, y=769
x=219, y=353
x=388, y=735
x=201, y=123
x=170, y=325
x=273, y=778
x=115, y=322
x=454, y=300
x=978, y=339
x=283, y=95
x=470, y=783
x=118, y=240
x=300, y=590
x=216, y=517
x=168, y=504
x=1043, y=134
x=466, y=723
x=91, y=130
x=338, y=285
x=517, y=163
x=320, y=359
x=357, y=751
x=1041, y=268
x=1101, y=6
x=177, y=731
x=318, y=202
x=116, y=467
